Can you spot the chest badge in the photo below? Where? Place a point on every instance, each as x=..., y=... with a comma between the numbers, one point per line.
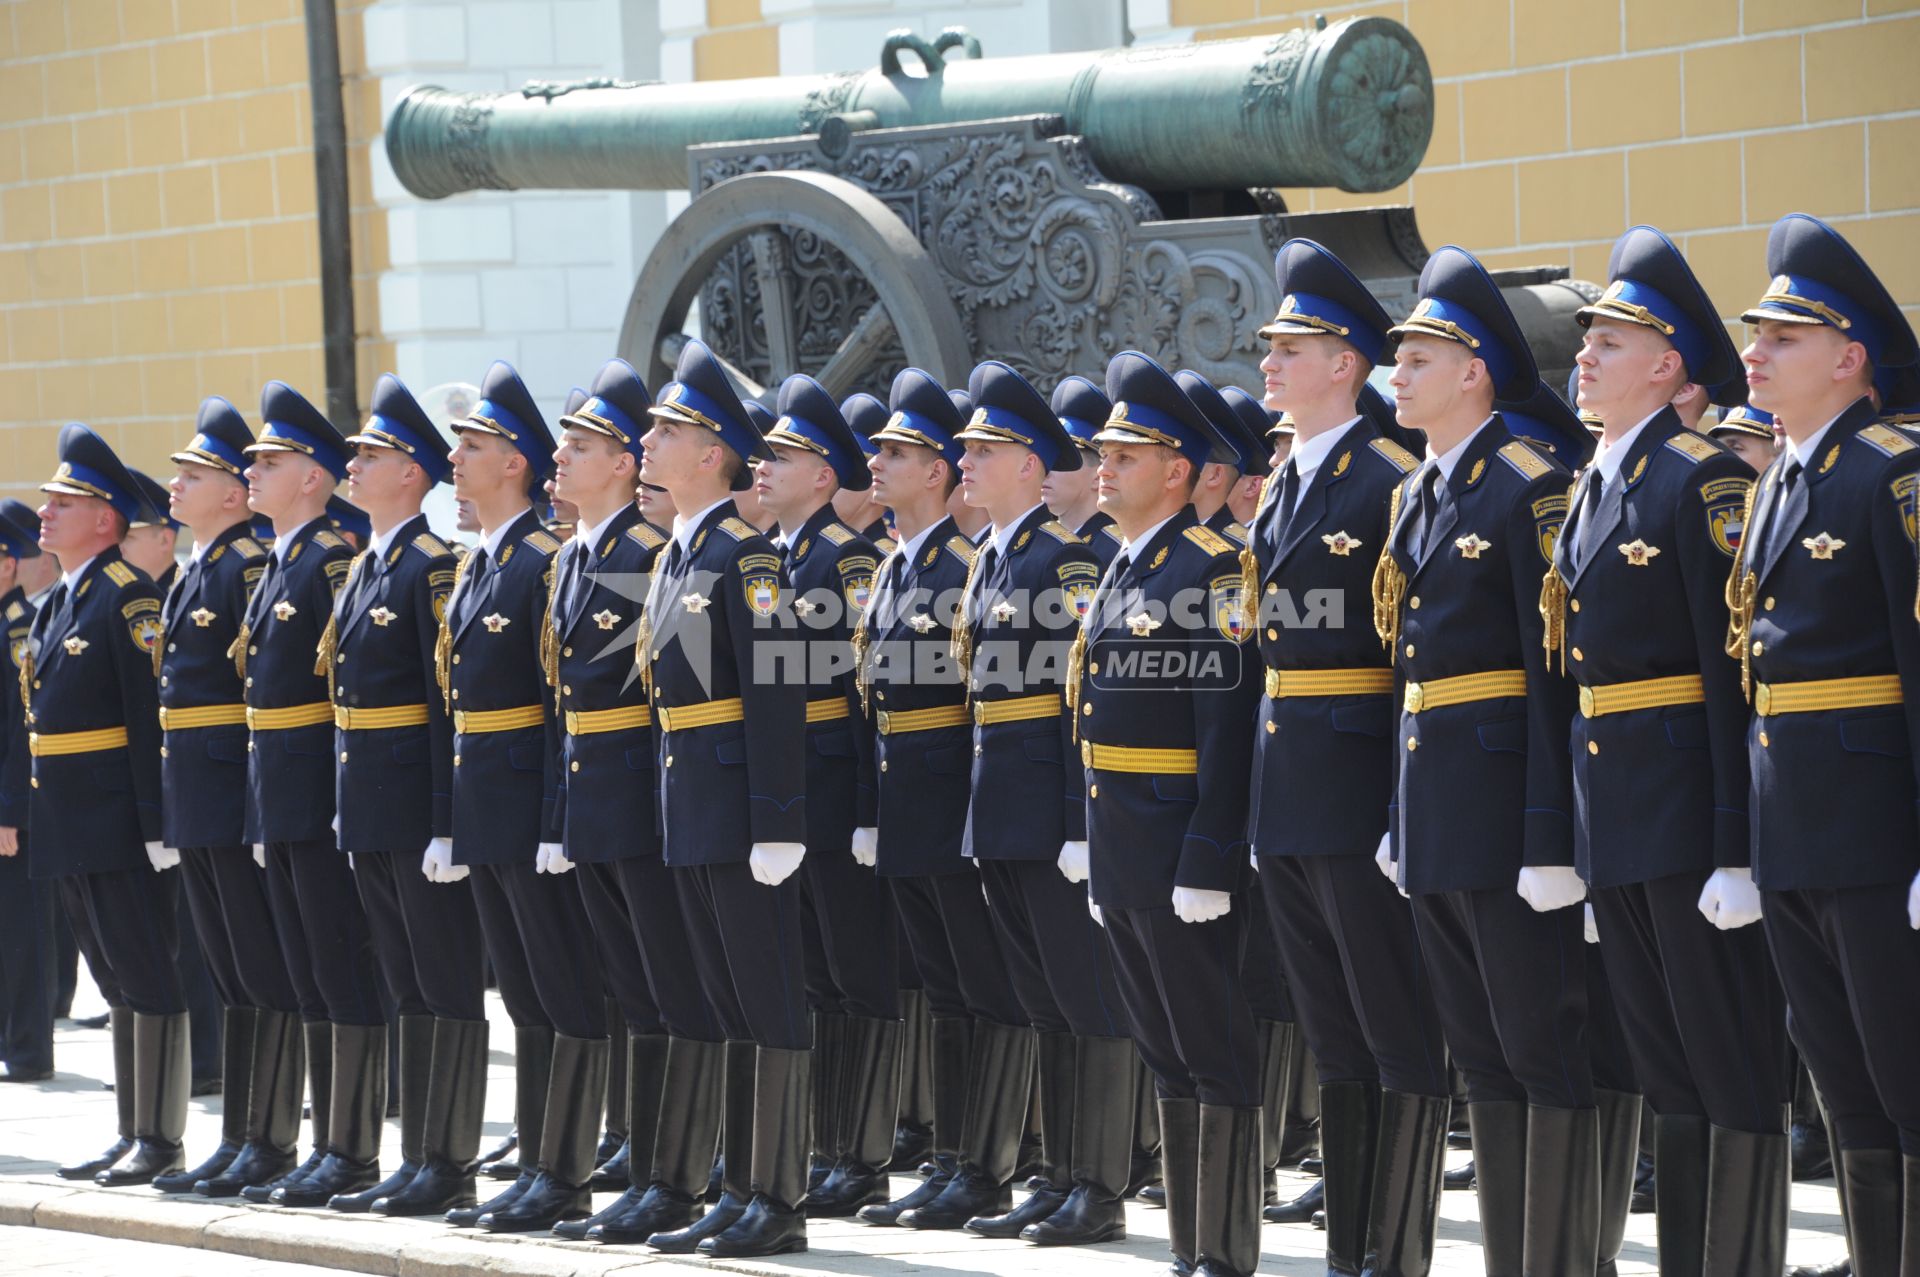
x=382, y=616
x=1471, y=545
x=805, y=607
x=1342, y=544
x=75, y=645
x=1003, y=611
x=495, y=622
x=606, y=618
x=1823, y=546
x=921, y=623
x=695, y=603
x=284, y=610
x=1142, y=624
x=202, y=617
x=1639, y=553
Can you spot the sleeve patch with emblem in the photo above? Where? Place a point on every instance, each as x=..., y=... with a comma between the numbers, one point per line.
x=856, y=580
x=143, y=623
x=1226, y=604
x=1725, y=501
x=1906, y=491
x=1548, y=514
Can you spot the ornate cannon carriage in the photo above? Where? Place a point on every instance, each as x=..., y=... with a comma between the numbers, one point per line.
x=1049, y=211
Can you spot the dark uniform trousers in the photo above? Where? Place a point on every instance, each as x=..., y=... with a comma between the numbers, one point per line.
x=955, y=949
x=73, y=904
x=1187, y=1002
x=1265, y=974
x=728, y=912
x=26, y=966
x=636, y=901
x=541, y=948
x=227, y=896
x=323, y=930
x=1060, y=965
x=846, y=900
x=139, y=910
x=423, y=934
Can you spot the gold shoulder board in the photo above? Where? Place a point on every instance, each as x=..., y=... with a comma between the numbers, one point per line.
x=120, y=574
x=962, y=549
x=1695, y=448
x=647, y=535
x=1402, y=460
x=327, y=540
x=838, y=534
x=1209, y=540
x=1890, y=442
x=542, y=542
x=737, y=528
x=1529, y=463
x=248, y=548
x=1058, y=531
x=430, y=545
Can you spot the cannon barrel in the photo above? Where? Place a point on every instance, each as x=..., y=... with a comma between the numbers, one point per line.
x=1348, y=105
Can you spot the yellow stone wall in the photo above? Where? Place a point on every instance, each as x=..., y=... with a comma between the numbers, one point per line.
x=157, y=230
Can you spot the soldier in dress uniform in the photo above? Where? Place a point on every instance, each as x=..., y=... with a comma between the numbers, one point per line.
x=292, y=469
x=89, y=692
x=673, y=1042
x=1082, y=408
x=1827, y=631
x=858, y=508
x=1030, y=584
x=394, y=787
x=1481, y=830
x=151, y=540
x=980, y=1044
x=1161, y=692
x=507, y=814
x=1256, y=421
x=719, y=648
x=349, y=521
x=1747, y=433
x=26, y=907
x=203, y=716
x=853, y=983
x=1323, y=769
x=1660, y=768
x=1222, y=483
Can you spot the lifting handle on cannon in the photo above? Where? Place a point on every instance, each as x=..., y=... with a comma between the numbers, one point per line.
x=932, y=53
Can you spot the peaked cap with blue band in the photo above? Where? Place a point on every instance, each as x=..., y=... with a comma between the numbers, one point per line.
x=923, y=413
x=962, y=403
x=1006, y=408
x=576, y=396
x=1319, y=295
x=1544, y=420
x=1818, y=278
x=1247, y=450
x=617, y=408
x=1743, y=418
x=1460, y=302
x=349, y=518
x=701, y=395
x=810, y=420
x=1082, y=408
x=19, y=530
x=397, y=421
x=1379, y=410
x=759, y=416
x=89, y=468
x=1899, y=394
x=1255, y=417
x=221, y=438
x=1650, y=284
x=158, y=511
x=288, y=423
x=506, y=411
x=1150, y=407
x=865, y=415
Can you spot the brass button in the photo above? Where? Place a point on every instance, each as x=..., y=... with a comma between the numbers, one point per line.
x=1593, y=747
x=1758, y=646
x=880, y=694
x=1409, y=651
x=249, y=680
x=1093, y=791
x=163, y=751
x=343, y=755
x=1578, y=655
x=163, y=680
x=1414, y=602
x=253, y=650
x=1272, y=588
x=883, y=764
x=456, y=693
x=1092, y=668
x=1087, y=708
x=576, y=764
x=565, y=690
x=1763, y=740
x=669, y=760
x=250, y=750
x=656, y=654
x=171, y=647
x=456, y=757
x=1272, y=634
x=456, y=658
x=1269, y=727
x=340, y=659
x=978, y=751
x=566, y=651
x=1574, y=604
x=36, y=782
x=1770, y=602
x=1413, y=743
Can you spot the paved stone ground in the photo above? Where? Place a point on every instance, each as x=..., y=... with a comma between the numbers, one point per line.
x=140, y=1232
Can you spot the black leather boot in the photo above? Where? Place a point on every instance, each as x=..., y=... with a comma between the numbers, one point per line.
x=1055, y=1083
x=576, y=1092
x=644, y=1075
x=683, y=1143
x=913, y=1140
x=450, y=1136
x=1875, y=1208
x=1681, y=1145
x=1300, y=1139
x=1807, y=1137
x=1001, y=1074
x=1748, y=1178
x=1227, y=1199
x=236, y=1090
x=1143, y=1162
x=775, y=1221
x=1276, y=1085
x=736, y=1151
x=1563, y=1191
x=415, y=1078
x=611, y=1159
x=950, y=1048
x=1500, y=1182
x=827, y=1100
x=1103, y=1145
x=120, y=1022
x=1301, y=1209
x=871, y=1098
x=356, y=1116
x=319, y=1045
x=1349, y=1133
x=1619, y=1160
x=1180, y=1172
x=1403, y=1216
x=162, y=1074
x=1910, y=1228
x=278, y=1076
x=532, y=1075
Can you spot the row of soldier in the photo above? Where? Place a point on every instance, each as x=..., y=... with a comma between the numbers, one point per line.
x=714, y=771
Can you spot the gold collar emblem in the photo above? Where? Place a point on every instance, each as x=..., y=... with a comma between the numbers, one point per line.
x=1639, y=553
x=1342, y=544
x=1470, y=545
x=606, y=618
x=284, y=610
x=495, y=622
x=201, y=617
x=382, y=616
x=1824, y=545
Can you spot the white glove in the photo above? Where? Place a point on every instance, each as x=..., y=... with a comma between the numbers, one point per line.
x=1913, y=904
x=774, y=862
x=1730, y=900
x=1383, y=857
x=437, y=864
x=1592, y=926
x=866, y=846
x=1093, y=911
x=260, y=854
x=1073, y=861
x=1198, y=904
x=161, y=857
x=549, y=859
x=1550, y=887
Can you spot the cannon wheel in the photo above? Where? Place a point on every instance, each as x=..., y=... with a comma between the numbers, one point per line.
x=765, y=210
